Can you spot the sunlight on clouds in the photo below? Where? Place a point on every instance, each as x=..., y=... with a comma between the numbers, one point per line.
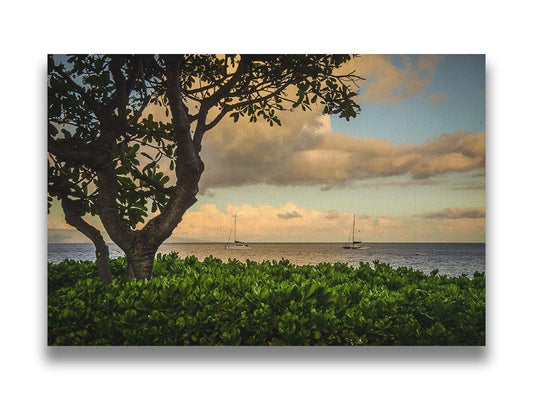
x=291, y=223
x=305, y=151
x=391, y=79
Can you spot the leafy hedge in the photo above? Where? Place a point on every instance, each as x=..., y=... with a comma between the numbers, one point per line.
x=188, y=302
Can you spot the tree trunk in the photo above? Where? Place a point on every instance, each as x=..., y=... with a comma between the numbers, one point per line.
x=73, y=217
x=140, y=246
x=102, y=262
x=129, y=272
x=141, y=262
x=141, y=253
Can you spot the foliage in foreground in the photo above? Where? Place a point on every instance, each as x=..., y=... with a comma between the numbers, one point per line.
x=188, y=302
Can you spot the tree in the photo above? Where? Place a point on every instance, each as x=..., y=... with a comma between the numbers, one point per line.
x=105, y=151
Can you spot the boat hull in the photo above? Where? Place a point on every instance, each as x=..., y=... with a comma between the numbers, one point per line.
x=231, y=247
x=356, y=247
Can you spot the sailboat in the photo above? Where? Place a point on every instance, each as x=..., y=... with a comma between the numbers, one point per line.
x=353, y=244
x=236, y=245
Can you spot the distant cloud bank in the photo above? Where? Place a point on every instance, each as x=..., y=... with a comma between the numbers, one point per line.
x=455, y=213
x=291, y=223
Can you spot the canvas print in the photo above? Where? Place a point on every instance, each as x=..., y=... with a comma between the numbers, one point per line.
x=266, y=199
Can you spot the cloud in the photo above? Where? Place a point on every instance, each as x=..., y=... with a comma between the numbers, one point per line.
x=469, y=186
x=305, y=151
x=262, y=223
x=439, y=97
x=391, y=79
x=332, y=214
x=403, y=183
x=456, y=213
x=289, y=215
x=283, y=223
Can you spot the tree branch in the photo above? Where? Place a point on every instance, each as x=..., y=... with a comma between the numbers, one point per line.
x=107, y=206
x=151, y=182
x=223, y=91
x=73, y=217
x=180, y=118
x=139, y=112
x=76, y=152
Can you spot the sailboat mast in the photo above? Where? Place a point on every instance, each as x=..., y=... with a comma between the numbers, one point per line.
x=235, y=229
x=353, y=229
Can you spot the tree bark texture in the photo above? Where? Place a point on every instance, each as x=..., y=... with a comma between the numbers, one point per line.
x=74, y=218
x=141, y=262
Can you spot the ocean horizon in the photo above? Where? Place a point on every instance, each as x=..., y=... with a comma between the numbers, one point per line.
x=452, y=259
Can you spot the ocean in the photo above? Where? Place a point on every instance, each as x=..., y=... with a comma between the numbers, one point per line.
x=450, y=259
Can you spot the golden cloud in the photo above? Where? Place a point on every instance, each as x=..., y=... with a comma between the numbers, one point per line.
x=305, y=151
x=262, y=223
x=391, y=79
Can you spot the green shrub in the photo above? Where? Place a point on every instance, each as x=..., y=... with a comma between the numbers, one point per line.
x=188, y=302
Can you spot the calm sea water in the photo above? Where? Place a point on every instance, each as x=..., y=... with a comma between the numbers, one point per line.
x=449, y=258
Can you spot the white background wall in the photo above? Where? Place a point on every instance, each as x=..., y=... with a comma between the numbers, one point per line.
x=30, y=30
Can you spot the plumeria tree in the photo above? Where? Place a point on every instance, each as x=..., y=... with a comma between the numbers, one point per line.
x=105, y=148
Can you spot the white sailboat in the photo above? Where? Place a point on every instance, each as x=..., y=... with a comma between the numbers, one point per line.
x=236, y=245
x=353, y=244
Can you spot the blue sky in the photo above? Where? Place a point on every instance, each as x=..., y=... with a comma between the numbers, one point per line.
x=414, y=120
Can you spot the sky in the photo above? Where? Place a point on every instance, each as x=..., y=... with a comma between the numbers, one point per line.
x=411, y=166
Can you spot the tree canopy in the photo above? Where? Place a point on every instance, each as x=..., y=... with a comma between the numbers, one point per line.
x=106, y=148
